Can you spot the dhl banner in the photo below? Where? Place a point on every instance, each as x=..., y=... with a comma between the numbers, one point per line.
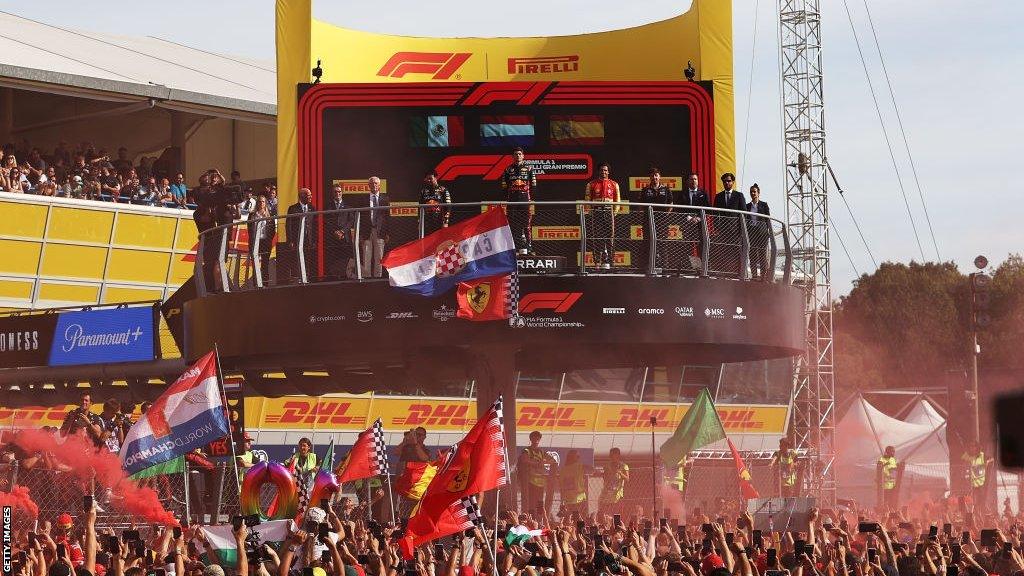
x=653, y=52
x=353, y=413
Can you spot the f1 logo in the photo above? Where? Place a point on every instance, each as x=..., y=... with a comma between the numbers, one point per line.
x=558, y=301
x=441, y=64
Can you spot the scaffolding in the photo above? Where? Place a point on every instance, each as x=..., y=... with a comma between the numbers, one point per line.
x=803, y=124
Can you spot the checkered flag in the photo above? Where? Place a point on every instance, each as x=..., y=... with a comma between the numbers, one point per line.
x=379, y=452
x=468, y=510
x=512, y=296
x=496, y=428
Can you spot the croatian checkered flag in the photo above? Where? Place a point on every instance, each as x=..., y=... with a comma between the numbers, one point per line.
x=367, y=458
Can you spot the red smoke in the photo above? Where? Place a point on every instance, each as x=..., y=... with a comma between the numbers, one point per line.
x=19, y=497
x=81, y=456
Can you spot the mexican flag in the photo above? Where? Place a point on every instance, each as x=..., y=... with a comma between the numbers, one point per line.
x=437, y=131
x=175, y=466
x=222, y=540
x=698, y=428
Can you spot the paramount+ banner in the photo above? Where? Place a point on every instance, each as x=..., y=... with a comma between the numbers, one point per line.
x=79, y=337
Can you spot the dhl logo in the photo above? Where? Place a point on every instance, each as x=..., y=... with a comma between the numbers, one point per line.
x=549, y=416
x=441, y=414
x=638, y=183
x=404, y=209
x=359, y=185
x=673, y=232
x=305, y=412
x=620, y=258
x=634, y=417
x=555, y=232
x=740, y=420
x=33, y=414
x=544, y=65
x=441, y=65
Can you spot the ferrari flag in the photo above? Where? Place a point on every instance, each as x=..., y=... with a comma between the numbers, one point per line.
x=188, y=415
x=367, y=458
x=493, y=298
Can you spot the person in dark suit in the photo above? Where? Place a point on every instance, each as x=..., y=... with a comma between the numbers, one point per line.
x=726, y=255
x=693, y=222
x=373, y=229
x=306, y=226
x=263, y=231
x=759, y=231
x=338, y=236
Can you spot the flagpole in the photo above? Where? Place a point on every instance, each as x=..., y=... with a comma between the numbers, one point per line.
x=391, y=498
x=654, y=480
x=184, y=474
x=227, y=413
x=497, y=514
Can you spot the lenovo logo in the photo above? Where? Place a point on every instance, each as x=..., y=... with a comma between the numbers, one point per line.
x=544, y=65
x=442, y=65
x=557, y=301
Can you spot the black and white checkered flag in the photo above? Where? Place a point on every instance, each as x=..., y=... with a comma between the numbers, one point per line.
x=380, y=450
x=512, y=297
x=469, y=509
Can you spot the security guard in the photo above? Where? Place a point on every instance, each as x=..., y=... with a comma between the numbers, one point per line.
x=976, y=467
x=245, y=457
x=573, y=485
x=888, y=469
x=616, y=474
x=785, y=459
x=439, y=198
x=533, y=475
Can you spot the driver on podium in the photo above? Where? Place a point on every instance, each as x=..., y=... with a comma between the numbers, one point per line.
x=519, y=183
x=439, y=198
x=602, y=218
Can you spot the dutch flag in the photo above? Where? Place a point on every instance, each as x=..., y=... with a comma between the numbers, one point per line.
x=475, y=248
x=506, y=130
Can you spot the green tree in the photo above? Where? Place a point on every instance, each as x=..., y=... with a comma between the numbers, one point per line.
x=1001, y=341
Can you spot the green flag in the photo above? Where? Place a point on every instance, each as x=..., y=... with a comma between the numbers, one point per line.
x=699, y=427
x=175, y=466
x=327, y=464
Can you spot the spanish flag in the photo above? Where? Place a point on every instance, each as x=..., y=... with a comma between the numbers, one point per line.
x=415, y=478
x=577, y=130
x=746, y=486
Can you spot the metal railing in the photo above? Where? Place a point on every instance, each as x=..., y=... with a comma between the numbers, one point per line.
x=584, y=237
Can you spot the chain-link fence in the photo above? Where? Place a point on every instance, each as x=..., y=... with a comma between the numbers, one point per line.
x=591, y=237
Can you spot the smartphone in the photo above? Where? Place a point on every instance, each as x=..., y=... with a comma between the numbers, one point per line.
x=955, y=552
x=988, y=537
x=22, y=557
x=438, y=552
x=159, y=572
x=663, y=523
x=618, y=520
x=919, y=551
x=952, y=570
x=322, y=530
x=581, y=526
x=140, y=549
x=947, y=529
x=933, y=532
x=872, y=555
x=648, y=525
x=177, y=532
x=965, y=537
x=114, y=545
x=706, y=546
x=867, y=527
x=598, y=540
x=758, y=539
x=1007, y=549
x=772, y=559
x=540, y=562
x=236, y=523
x=798, y=547
x=364, y=560
x=666, y=513
x=132, y=535
x=31, y=539
x=681, y=533
x=87, y=502
x=325, y=504
x=62, y=550
x=706, y=528
x=729, y=538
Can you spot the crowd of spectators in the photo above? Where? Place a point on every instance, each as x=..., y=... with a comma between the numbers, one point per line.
x=86, y=172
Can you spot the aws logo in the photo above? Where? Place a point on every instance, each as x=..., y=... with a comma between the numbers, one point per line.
x=441, y=65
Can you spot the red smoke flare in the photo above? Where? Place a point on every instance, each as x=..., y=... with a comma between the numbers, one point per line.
x=19, y=497
x=82, y=457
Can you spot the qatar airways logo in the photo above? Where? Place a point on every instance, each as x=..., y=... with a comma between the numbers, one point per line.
x=544, y=65
x=75, y=337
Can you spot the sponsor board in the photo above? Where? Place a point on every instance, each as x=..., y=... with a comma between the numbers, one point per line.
x=401, y=315
x=326, y=318
x=650, y=311
x=672, y=232
x=364, y=316
x=684, y=311
x=740, y=314
x=359, y=185
x=444, y=313
x=439, y=65
x=613, y=310
x=492, y=166
x=544, y=65
x=26, y=340
x=620, y=258
x=352, y=413
x=715, y=313
x=404, y=210
x=555, y=232
x=638, y=183
x=540, y=264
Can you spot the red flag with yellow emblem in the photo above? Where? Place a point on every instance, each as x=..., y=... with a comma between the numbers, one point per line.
x=476, y=464
x=746, y=486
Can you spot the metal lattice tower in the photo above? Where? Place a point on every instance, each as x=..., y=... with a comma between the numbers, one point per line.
x=803, y=123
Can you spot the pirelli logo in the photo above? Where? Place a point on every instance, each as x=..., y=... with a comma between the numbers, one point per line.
x=404, y=210
x=544, y=65
x=359, y=186
x=673, y=232
x=638, y=183
x=440, y=65
x=556, y=232
x=620, y=258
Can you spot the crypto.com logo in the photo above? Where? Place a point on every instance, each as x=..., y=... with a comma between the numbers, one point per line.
x=557, y=301
x=441, y=64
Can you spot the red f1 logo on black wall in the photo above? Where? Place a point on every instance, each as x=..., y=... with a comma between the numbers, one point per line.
x=441, y=64
x=558, y=301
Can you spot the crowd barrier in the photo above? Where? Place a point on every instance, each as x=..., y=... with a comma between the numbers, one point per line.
x=587, y=238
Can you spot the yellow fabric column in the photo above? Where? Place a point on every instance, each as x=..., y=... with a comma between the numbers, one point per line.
x=715, y=64
x=294, y=18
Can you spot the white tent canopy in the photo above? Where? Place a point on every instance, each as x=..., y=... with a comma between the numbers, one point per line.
x=923, y=412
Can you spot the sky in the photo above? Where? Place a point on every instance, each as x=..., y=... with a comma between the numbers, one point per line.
x=955, y=69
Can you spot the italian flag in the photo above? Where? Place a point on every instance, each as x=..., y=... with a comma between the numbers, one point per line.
x=222, y=540
x=519, y=535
